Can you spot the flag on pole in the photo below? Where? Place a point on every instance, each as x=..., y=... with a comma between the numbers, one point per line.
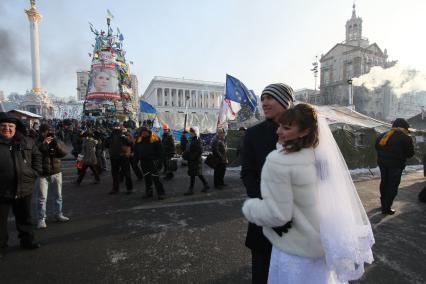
x=146, y=107
x=109, y=14
x=237, y=97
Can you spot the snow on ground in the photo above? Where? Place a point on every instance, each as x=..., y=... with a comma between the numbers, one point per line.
x=357, y=174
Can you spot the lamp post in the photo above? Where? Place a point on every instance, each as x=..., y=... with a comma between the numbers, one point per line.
x=351, y=96
x=187, y=97
x=315, y=71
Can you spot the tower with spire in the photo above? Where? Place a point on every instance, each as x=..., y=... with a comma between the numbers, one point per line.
x=349, y=59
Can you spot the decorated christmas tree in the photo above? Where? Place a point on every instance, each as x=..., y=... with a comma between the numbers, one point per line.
x=109, y=91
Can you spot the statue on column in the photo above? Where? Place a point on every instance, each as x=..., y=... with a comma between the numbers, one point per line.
x=33, y=4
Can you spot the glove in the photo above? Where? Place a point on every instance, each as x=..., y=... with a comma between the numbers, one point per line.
x=282, y=229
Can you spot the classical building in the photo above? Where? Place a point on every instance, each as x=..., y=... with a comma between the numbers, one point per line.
x=184, y=95
x=308, y=96
x=350, y=59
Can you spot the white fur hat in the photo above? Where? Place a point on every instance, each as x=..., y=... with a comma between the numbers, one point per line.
x=196, y=130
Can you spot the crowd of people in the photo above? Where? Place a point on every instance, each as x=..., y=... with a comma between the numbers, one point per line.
x=32, y=165
x=303, y=209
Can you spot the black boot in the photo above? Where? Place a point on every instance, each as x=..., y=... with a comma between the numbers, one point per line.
x=190, y=191
x=205, y=188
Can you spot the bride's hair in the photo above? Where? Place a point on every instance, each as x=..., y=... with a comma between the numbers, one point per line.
x=305, y=117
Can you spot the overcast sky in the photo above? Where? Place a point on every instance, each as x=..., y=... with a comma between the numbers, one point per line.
x=258, y=42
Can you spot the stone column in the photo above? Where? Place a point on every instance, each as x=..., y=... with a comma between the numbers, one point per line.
x=35, y=17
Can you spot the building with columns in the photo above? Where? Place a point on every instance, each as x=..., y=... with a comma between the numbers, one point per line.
x=350, y=59
x=184, y=96
x=36, y=100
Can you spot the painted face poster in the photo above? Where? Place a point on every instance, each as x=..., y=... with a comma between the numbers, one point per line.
x=103, y=82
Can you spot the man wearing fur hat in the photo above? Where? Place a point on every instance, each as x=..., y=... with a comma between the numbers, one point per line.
x=393, y=147
x=20, y=166
x=259, y=141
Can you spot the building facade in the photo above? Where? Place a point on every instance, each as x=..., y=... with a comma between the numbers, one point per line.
x=184, y=95
x=308, y=96
x=350, y=59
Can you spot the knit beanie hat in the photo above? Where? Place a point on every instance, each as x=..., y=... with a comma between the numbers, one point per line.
x=281, y=92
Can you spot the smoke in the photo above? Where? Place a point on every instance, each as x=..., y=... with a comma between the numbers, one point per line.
x=400, y=78
x=11, y=64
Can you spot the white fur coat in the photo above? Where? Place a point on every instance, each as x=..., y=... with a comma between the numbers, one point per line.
x=289, y=192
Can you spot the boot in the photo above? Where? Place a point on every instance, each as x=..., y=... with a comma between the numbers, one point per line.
x=190, y=191
x=205, y=188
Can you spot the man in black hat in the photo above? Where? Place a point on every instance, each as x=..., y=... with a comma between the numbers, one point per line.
x=259, y=141
x=20, y=166
x=393, y=148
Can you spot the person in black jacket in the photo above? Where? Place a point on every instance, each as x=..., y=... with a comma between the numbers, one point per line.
x=52, y=149
x=195, y=163
x=219, y=152
x=393, y=148
x=169, y=150
x=120, y=144
x=259, y=141
x=148, y=150
x=20, y=165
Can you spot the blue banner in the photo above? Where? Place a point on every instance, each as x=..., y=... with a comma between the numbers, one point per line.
x=146, y=107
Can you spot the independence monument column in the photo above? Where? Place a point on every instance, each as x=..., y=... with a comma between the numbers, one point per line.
x=35, y=17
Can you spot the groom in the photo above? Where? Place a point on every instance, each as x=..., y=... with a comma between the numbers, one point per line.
x=259, y=141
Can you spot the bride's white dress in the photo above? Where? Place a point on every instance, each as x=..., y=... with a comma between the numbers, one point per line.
x=291, y=269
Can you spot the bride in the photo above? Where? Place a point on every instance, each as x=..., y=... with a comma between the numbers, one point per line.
x=306, y=182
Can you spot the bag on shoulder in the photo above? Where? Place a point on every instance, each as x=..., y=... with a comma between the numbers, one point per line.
x=422, y=195
x=211, y=161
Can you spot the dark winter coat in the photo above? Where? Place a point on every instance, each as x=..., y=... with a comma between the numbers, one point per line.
x=149, y=151
x=89, y=151
x=195, y=163
x=183, y=143
x=148, y=148
x=259, y=141
x=120, y=144
x=169, y=148
x=52, y=154
x=397, y=150
x=219, y=150
x=21, y=163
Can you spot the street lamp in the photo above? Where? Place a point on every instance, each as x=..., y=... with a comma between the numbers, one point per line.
x=315, y=71
x=351, y=96
x=187, y=97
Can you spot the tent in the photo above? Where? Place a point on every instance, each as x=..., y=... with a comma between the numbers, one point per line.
x=355, y=133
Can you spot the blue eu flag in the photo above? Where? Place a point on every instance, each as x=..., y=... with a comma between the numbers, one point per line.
x=237, y=92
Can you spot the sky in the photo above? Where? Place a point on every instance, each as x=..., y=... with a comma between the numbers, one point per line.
x=258, y=42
